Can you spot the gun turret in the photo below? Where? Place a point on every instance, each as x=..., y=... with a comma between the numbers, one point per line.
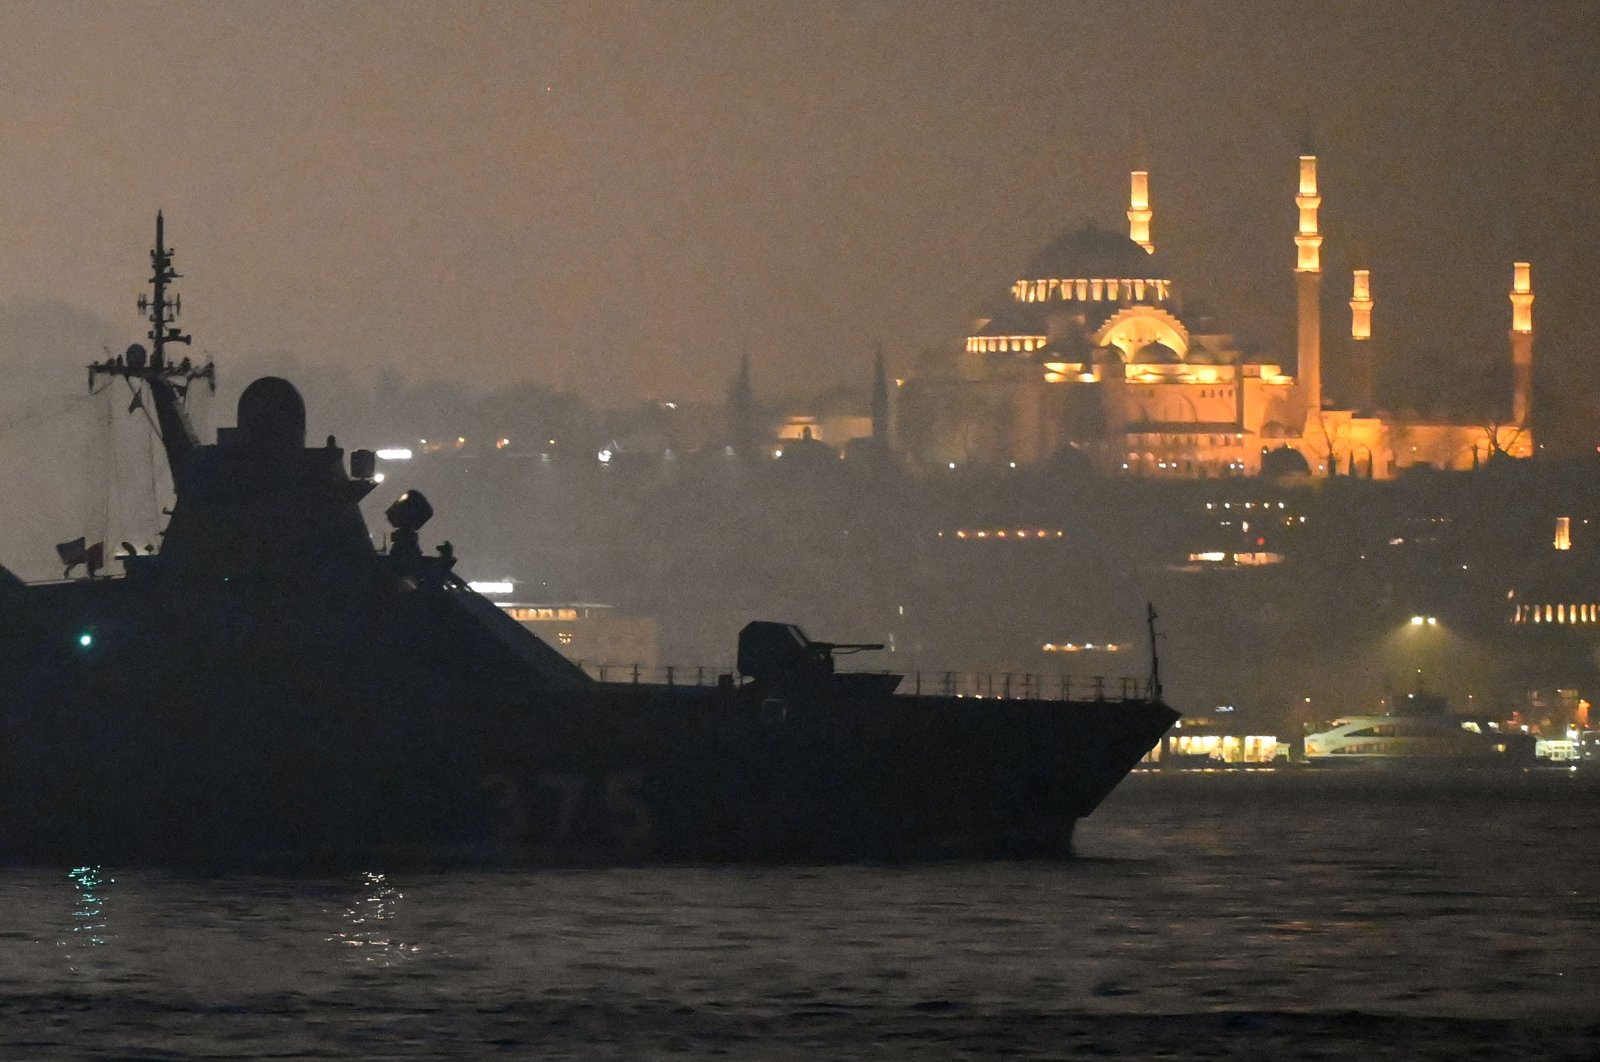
x=780, y=654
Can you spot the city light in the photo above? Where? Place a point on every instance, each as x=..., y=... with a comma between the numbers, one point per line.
x=493, y=586
x=394, y=453
x=1080, y=647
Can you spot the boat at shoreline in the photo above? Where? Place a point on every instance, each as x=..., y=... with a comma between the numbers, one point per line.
x=269, y=688
x=1420, y=732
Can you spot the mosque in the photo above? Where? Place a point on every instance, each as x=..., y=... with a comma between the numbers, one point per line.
x=1090, y=353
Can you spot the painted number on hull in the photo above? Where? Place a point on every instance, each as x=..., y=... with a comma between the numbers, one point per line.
x=562, y=809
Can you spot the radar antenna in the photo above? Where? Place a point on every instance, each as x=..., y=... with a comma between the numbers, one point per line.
x=169, y=383
x=162, y=311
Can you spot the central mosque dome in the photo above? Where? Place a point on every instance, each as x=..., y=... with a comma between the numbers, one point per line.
x=1092, y=252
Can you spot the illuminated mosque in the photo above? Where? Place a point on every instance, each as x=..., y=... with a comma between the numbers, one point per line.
x=1091, y=352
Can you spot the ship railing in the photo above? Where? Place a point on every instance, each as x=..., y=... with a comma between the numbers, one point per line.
x=660, y=674
x=1026, y=686
x=979, y=685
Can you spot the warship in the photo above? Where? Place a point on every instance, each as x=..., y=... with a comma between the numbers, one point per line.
x=269, y=687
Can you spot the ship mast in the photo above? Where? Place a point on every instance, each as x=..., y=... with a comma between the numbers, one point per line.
x=168, y=383
x=162, y=313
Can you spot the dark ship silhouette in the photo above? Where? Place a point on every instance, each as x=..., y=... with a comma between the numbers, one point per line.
x=270, y=688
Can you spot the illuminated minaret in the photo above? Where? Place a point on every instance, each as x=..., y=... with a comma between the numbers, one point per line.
x=1361, y=306
x=1139, y=212
x=1521, y=342
x=1362, y=368
x=1308, y=287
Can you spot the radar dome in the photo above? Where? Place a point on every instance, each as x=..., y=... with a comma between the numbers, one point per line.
x=272, y=415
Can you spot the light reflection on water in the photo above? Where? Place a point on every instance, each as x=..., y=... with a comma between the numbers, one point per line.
x=89, y=926
x=370, y=926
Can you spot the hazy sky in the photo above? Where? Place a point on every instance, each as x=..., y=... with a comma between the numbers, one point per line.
x=620, y=197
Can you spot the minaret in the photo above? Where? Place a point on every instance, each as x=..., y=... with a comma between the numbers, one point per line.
x=1308, y=288
x=1521, y=343
x=1362, y=365
x=742, y=410
x=880, y=404
x=1139, y=212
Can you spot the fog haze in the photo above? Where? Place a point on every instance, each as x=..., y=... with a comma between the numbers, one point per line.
x=620, y=198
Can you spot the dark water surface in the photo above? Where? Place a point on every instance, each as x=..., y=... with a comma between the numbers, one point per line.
x=1282, y=915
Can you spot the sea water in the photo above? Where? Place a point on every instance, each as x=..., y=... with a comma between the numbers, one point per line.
x=1279, y=914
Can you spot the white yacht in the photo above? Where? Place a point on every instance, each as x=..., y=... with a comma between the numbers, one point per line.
x=1422, y=731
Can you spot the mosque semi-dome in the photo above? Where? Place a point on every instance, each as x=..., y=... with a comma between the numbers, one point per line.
x=1005, y=330
x=1156, y=352
x=1092, y=252
x=1007, y=321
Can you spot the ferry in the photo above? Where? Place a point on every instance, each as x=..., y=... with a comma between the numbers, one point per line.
x=1421, y=731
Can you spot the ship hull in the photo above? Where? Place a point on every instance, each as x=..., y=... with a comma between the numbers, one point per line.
x=719, y=777
x=620, y=776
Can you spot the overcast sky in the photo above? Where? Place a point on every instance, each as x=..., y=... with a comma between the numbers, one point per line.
x=620, y=197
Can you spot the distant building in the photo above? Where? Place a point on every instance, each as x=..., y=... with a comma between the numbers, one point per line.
x=592, y=635
x=1089, y=353
x=837, y=430
x=1205, y=741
